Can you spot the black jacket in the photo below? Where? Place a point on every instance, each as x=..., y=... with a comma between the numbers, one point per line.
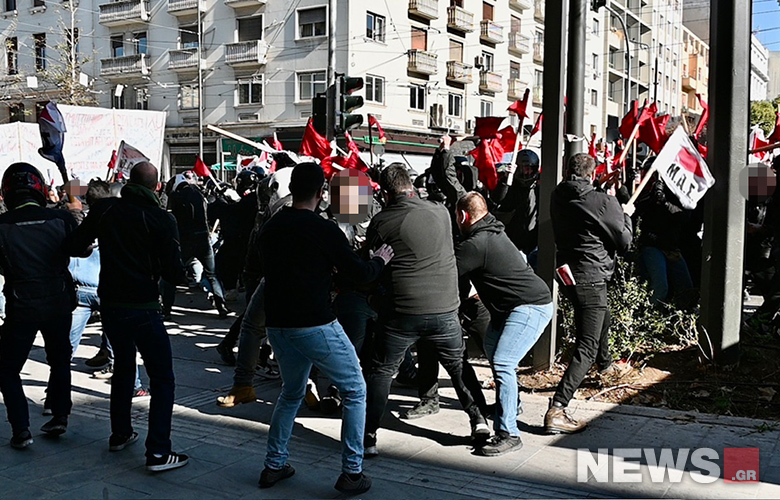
x=139, y=243
x=519, y=212
x=445, y=176
x=498, y=271
x=38, y=285
x=590, y=228
x=188, y=206
x=422, y=278
x=662, y=217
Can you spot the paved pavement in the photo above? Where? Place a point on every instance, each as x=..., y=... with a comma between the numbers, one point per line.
x=429, y=458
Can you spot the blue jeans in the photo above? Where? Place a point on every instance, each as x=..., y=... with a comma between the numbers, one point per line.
x=505, y=348
x=128, y=329
x=328, y=348
x=665, y=272
x=88, y=301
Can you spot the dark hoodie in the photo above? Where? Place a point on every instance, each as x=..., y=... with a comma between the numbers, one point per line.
x=498, y=271
x=519, y=211
x=590, y=228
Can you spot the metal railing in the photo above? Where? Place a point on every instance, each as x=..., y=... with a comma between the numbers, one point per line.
x=134, y=64
x=124, y=11
x=245, y=52
x=183, y=59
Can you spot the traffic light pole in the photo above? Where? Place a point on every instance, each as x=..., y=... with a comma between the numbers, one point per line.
x=331, y=91
x=575, y=75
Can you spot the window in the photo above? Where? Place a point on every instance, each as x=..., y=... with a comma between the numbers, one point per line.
x=514, y=70
x=456, y=51
x=419, y=39
x=595, y=62
x=538, y=78
x=310, y=84
x=39, y=41
x=16, y=112
x=118, y=97
x=188, y=97
x=454, y=102
x=417, y=97
x=250, y=91
x=596, y=27
x=456, y=3
x=375, y=89
x=487, y=11
x=250, y=28
x=140, y=43
x=39, y=3
x=312, y=22
x=10, y=5
x=485, y=108
x=375, y=27
x=515, y=25
x=613, y=58
x=11, y=55
x=487, y=61
x=594, y=97
x=117, y=46
x=142, y=99
x=188, y=37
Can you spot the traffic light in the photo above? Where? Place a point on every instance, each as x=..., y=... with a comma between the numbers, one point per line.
x=319, y=107
x=347, y=103
x=595, y=5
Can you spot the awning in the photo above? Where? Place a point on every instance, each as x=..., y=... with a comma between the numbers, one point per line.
x=229, y=166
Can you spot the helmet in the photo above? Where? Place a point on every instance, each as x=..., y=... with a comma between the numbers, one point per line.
x=246, y=181
x=527, y=171
x=21, y=182
x=178, y=180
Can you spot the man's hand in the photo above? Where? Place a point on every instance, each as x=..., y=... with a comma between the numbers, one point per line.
x=385, y=252
x=445, y=142
x=629, y=208
x=74, y=204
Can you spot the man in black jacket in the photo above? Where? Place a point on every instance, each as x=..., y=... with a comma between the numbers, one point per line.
x=590, y=227
x=139, y=243
x=445, y=174
x=519, y=302
x=519, y=210
x=40, y=297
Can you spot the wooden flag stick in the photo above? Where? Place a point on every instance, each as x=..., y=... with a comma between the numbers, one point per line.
x=512, y=165
x=768, y=147
x=642, y=185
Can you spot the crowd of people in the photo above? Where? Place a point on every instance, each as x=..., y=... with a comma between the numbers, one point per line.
x=333, y=289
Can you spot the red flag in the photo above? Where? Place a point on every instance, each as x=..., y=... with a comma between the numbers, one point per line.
x=592, y=146
x=775, y=135
x=201, y=169
x=618, y=150
x=373, y=122
x=628, y=122
x=705, y=116
x=520, y=106
x=277, y=145
x=485, y=157
x=702, y=150
x=487, y=127
x=507, y=137
x=112, y=163
x=313, y=144
x=537, y=126
x=652, y=130
x=354, y=160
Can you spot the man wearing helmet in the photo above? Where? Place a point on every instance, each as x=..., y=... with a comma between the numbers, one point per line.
x=40, y=297
x=519, y=210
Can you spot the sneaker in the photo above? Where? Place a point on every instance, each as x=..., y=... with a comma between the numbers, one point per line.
x=312, y=399
x=353, y=484
x=104, y=374
x=21, y=439
x=237, y=396
x=331, y=402
x=369, y=446
x=270, y=477
x=159, y=463
x=422, y=409
x=501, y=444
x=100, y=359
x=267, y=373
x=558, y=421
x=56, y=426
x=117, y=442
x=226, y=354
x=479, y=428
x=141, y=393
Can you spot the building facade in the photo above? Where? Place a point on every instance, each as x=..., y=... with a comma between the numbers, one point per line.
x=773, y=88
x=759, y=69
x=695, y=72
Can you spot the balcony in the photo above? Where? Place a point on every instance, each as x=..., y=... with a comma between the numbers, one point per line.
x=237, y=4
x=539, y=52
x=422, y=62
x=460, y=19
x=521, y=4
x=490, y=82
x=183, y=60
x=516, y=89
x=427, y=9
x=125, y=66
x=124, y=12
x=539, y=10
x=458, y=72
x=252, y=53
x=183, y=7
x=689, y=83
x=537, y=96
x=491, y=32
x=519, y=43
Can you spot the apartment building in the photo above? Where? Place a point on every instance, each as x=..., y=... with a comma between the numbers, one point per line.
x=759, y=69
x=695, y=72
x=773, y=88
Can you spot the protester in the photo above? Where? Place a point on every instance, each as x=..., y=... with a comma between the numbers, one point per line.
x=590, y=229
x=519, y=209
x=444, y=173
x=520, y=306
x=139, y=244
x=40, y=297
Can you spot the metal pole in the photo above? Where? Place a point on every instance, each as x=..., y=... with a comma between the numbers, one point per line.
x=724, y=208
x=655, y=79
x=330, y=122
x=575, y=76
x=370, y=140
x=200, y=82
x=552, y=157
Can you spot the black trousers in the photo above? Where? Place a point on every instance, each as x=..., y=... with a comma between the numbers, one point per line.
x=591, y=321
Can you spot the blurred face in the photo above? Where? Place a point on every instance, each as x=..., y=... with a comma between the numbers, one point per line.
x=351, y=196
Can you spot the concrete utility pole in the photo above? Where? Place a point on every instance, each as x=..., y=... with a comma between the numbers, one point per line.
x=330, y=123
x=552, y=161
x=200, y=86
x=724, y=209
x=575, y=76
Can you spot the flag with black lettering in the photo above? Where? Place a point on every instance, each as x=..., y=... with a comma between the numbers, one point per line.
x=683, y=169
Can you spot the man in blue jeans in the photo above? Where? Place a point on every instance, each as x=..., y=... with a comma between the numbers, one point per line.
x=138, y=245
x=519, y=302
x=299, y=251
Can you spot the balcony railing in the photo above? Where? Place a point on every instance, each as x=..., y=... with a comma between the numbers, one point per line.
x=491, y=32
x=236, y=4
x=521, y=4
x=458, y=72
x=184, y=59
x=539, y=10
x=183, y=7
x=135, y=65
x=422, y=62
x=460, y=19
x=516, y=89
x=519, y=43
x=252, y=53
x=538, y=52
x=124, y=12
x=490, y=82
x=689, y=83
x=537, y=95
x=428, y=9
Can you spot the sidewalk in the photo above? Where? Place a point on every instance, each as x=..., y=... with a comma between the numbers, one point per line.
x=427, y=458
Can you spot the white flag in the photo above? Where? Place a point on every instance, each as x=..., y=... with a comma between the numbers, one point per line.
x=683, y=169
x=126, y=158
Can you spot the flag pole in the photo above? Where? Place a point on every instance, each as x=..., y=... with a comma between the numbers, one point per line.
x=370, y=141
x=768, y=147
x=512, y=166
x=642, y=185
x=630, y=141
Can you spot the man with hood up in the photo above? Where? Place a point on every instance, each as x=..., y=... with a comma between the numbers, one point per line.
x=519, y=209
